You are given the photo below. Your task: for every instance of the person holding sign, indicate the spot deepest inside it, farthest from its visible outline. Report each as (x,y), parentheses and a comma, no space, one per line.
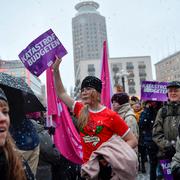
(165,129)
(96,123)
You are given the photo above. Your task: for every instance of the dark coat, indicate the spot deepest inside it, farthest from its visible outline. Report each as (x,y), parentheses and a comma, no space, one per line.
(165,129)
(49,156)
(24,135)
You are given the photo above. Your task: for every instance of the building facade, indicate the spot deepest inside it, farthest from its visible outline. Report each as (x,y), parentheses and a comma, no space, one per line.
(168,69)
(128,70)
(17,69)
(89,32)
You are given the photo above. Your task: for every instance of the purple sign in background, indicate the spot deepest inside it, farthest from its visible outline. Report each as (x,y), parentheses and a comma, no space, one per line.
(154,91)
(40,54)
(166,167)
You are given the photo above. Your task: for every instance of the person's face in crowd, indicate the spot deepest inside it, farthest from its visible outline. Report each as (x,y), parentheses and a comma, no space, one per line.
(136,107)
(88,95)
(4,122)
(174,94)
(115,106)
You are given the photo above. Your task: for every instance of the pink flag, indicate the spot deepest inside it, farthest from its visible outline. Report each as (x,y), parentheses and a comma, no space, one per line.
(66,137)
(105,78)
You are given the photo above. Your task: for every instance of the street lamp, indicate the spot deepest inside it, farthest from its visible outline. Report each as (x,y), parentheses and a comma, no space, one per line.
(123,83)
(122,74)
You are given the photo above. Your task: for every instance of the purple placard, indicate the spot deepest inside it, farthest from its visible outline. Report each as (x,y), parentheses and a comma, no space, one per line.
(40,54)
(166,167)
(154,91)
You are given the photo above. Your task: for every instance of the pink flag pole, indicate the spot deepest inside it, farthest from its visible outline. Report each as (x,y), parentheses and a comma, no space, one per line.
(66,137)
(105,78)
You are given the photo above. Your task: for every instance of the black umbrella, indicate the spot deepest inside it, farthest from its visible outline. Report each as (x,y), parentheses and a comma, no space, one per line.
(19,94)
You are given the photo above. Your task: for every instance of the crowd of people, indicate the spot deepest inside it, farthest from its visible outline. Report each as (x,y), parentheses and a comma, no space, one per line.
(116,143)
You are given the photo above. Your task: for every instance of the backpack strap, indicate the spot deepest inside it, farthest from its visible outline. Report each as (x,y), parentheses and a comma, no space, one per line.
(164,112)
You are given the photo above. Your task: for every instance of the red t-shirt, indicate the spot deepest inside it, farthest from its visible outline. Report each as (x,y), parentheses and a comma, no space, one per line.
(100,127)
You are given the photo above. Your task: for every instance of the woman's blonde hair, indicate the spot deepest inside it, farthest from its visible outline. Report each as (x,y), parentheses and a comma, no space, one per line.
(84,113)
(14,160)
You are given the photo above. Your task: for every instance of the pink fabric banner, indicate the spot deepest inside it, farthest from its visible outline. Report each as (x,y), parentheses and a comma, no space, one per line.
(105,78)
(66,137)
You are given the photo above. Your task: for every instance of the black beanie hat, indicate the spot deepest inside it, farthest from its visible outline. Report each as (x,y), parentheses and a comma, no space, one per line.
(120,98)
(2,95)
(93,82)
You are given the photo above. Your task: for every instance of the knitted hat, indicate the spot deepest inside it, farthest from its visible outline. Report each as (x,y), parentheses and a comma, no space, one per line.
(2,95)
(120,98)
(93,82)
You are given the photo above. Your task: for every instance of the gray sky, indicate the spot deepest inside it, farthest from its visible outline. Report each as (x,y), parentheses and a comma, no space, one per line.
(134,27)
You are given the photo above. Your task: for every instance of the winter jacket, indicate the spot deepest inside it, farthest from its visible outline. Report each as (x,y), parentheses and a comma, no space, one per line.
(127,113)
(121,157)
(165,129)
(48,156)
(176,159)
(24,135)
(146,123)
(138,114)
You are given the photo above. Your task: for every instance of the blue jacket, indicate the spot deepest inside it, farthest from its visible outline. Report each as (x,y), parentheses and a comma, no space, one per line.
(25,135)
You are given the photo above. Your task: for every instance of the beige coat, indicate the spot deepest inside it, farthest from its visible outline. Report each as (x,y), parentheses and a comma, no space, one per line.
(127,113)
(119,155)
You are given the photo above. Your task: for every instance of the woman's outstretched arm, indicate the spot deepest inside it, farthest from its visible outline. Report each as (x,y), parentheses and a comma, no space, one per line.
(60,90)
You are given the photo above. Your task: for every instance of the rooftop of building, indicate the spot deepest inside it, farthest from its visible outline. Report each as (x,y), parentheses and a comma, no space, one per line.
(15,63)
(130,57)
(87,7)
(168,57)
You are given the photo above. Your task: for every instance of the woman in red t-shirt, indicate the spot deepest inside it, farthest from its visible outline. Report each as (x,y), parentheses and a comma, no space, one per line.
(96,122)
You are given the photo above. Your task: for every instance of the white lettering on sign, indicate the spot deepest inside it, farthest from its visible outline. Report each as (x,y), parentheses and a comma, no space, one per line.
(155,88)
(40,49)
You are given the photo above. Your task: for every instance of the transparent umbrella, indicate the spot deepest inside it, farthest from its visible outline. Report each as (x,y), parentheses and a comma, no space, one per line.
(18,91)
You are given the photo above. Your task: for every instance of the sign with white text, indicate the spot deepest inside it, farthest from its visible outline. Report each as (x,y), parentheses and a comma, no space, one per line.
(40,54)
(154,91)
(166,168)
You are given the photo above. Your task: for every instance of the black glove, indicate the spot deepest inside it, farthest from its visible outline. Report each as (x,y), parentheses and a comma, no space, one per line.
(169,152)
(176,174)
(51,130)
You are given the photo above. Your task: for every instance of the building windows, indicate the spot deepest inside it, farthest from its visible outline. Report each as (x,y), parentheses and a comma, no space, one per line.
(142,70)
(130,74)
(142,66)
(142,79)
(131,82)
(132,90)
(129,66)
(142,74)
(91,70)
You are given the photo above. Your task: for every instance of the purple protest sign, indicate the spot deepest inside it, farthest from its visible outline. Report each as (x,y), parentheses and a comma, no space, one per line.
(154,91)
(40,54)
(166,167)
